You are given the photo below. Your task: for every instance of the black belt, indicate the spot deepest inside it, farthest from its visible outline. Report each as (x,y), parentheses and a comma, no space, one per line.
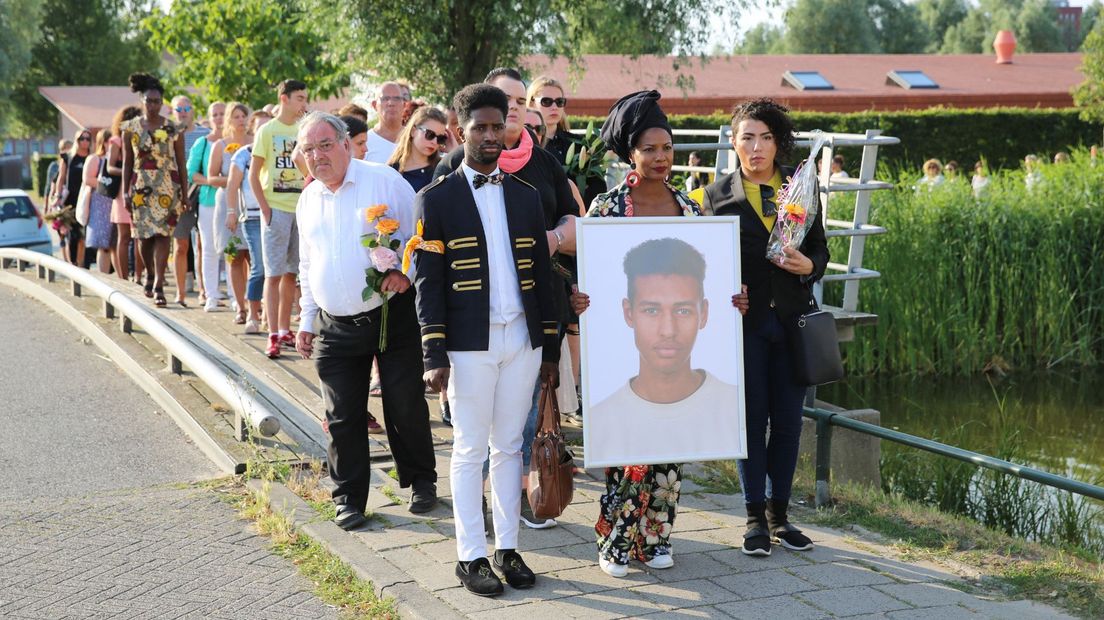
(360,320)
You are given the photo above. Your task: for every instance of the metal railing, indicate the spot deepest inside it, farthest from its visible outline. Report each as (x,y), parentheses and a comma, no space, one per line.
(180,352)
(825,420)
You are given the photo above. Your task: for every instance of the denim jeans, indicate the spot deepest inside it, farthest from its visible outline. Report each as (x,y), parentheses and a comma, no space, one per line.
(251,230)
(773,399)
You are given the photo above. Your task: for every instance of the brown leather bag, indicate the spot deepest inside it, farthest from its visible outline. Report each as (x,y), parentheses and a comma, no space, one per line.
(551,470)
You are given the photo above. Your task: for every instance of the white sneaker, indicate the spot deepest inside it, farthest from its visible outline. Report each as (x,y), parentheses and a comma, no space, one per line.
(661,561)
(211,305)
(611,568)
(251,327)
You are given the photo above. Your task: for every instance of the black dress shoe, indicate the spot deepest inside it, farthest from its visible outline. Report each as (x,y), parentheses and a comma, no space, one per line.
(446,414)
(349,518)
(513,568)
(478,578)
(423,498)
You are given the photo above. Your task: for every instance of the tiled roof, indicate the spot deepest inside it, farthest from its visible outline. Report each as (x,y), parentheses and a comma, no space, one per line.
(93,107)
(973,80)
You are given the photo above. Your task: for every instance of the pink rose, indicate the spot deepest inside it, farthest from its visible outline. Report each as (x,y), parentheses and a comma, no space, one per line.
(383,258)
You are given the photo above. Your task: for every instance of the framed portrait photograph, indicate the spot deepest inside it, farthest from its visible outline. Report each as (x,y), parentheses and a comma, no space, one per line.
(662,346)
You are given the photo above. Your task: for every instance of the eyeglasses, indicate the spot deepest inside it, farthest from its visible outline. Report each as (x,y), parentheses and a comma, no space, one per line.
(766,192)
(441,138)
(183,108)
(390,99)
(322,147)
(546,102)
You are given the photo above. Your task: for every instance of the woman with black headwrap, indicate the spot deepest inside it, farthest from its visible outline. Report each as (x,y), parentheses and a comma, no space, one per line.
(639,505)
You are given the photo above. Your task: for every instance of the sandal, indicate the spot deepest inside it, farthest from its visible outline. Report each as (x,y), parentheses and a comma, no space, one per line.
(159,299)
(240,318)
(148,288)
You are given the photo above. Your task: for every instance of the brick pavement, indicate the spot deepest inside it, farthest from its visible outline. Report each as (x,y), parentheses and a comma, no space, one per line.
(159,552)
(847,575)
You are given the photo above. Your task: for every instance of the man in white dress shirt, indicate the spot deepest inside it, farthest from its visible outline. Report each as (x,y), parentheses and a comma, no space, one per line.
(390,101)
(342,330)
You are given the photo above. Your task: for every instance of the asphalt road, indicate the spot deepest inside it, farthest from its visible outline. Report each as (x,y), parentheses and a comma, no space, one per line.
(101,515)
(71,422)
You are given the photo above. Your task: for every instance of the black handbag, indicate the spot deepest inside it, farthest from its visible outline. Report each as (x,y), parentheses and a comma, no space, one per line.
(814,347)
(107,184)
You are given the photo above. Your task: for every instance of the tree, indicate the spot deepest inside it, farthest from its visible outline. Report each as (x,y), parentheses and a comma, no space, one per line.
(1088,20)
(82,42)
(239,51)
(1034,23)
(898,27)
(19,23)
(938,16)
(1089,95)
(830,27)
(456,42)
(762,39)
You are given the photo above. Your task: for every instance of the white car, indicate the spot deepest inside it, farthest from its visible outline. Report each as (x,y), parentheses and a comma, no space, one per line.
(21,225)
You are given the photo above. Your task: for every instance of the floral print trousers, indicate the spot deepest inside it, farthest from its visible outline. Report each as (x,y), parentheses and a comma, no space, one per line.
(638,512)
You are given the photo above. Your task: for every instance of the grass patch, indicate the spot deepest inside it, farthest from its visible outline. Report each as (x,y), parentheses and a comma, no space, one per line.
(334,581)
(393,474)
(1066,577)
(391,494)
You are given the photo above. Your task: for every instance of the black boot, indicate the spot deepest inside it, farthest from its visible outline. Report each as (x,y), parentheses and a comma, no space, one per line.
(757,539)
(782,531)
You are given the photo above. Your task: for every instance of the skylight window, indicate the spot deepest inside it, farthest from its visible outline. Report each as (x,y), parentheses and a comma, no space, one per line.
(910,79)
(806,80)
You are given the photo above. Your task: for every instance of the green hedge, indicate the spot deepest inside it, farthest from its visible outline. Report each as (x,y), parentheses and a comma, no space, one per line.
(1002,136)
(39,163)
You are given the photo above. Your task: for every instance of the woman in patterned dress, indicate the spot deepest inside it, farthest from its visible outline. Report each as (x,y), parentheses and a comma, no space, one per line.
(639,505)
(153,159)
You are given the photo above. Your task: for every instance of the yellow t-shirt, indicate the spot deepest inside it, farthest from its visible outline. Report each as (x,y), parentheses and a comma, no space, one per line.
(281,180)
(751,190)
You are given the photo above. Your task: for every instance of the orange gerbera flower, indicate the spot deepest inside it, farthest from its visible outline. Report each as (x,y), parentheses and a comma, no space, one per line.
(375,211)
(386,226)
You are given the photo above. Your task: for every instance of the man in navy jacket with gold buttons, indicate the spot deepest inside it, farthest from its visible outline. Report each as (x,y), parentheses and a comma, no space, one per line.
(488,329)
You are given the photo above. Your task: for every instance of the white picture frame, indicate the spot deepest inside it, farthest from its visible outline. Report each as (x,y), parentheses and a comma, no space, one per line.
(620,426)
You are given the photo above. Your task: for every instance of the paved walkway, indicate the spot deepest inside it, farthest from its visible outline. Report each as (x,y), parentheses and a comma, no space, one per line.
(101,514)
(845,576)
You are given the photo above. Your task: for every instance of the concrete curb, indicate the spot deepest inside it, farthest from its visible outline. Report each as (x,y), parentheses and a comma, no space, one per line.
(138,373)
(412,600)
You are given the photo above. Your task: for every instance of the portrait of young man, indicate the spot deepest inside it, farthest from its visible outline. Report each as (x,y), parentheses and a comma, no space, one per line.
(671,410)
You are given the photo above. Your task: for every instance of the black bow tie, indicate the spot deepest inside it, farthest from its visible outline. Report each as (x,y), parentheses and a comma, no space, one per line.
(483,179)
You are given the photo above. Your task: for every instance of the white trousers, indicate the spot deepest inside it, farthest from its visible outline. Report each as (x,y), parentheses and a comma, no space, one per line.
(215,236)
(490,393)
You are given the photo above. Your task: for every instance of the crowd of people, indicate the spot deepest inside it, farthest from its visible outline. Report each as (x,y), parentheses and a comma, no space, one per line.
(279,199)
(935,173)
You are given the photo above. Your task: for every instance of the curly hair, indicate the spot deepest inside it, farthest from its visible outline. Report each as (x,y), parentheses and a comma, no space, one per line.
(475,96)
(771,113)
(144,82)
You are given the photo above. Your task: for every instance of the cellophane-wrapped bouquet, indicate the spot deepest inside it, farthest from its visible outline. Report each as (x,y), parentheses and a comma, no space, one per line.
(798,205)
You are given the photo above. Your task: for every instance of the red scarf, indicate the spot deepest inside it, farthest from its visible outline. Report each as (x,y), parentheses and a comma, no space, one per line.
(512,160)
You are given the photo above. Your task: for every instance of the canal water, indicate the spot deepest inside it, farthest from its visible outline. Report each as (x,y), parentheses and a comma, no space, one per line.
(1058,416)
(1052,421)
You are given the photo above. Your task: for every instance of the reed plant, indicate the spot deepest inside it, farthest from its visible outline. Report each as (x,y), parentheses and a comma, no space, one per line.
(1011,279)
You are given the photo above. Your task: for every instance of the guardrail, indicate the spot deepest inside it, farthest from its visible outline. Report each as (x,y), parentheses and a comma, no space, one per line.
(825,420)
(180,352)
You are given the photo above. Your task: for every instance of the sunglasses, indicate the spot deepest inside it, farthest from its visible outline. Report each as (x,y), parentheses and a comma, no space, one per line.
(441,138)
(183,108)
(84,139)
(546,102)
(534,128)
(766,192)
